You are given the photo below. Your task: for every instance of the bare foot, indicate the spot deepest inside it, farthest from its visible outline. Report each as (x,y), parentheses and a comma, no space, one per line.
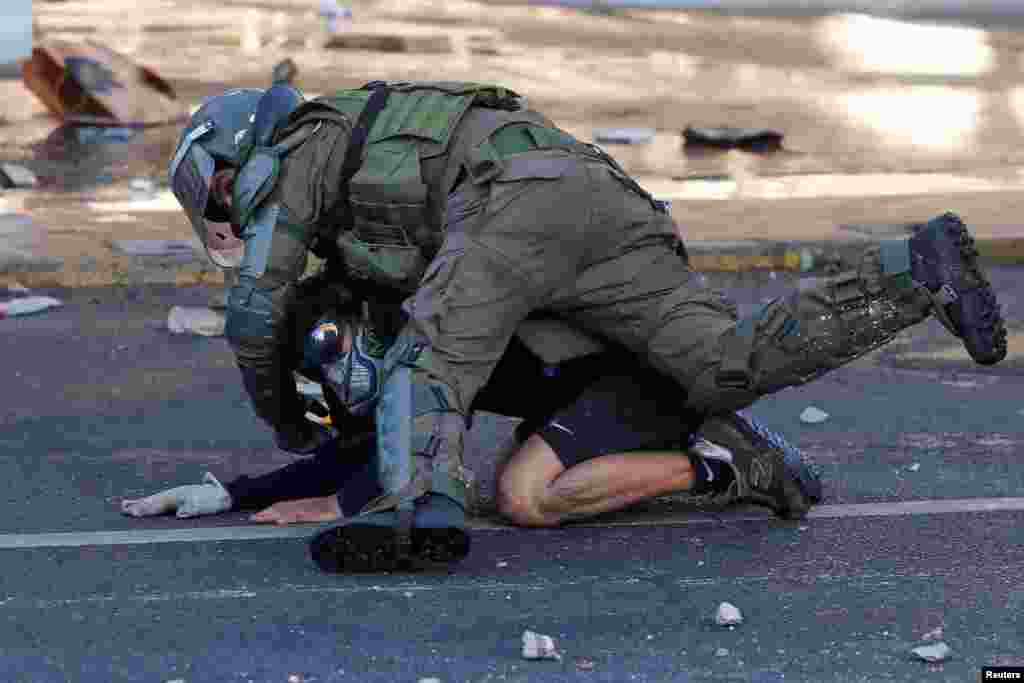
(324,509)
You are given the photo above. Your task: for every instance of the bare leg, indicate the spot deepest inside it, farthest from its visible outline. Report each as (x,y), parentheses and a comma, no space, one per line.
(535,489)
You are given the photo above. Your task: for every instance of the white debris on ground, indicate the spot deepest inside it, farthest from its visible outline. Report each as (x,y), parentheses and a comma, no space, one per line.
(195,320)
(539,646)
(585,664)
(728,614)
(336,17)
(812,415)
(17,176)
(142,189)
(934,634)
(914,467)
(721,652)
(624,136)
(431,679)
(936,652)
(27,305)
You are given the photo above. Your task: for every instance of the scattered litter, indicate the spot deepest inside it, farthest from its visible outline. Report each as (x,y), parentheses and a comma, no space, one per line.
(142,188)
(294,678)
(624,136)
(502,564)
(773,275)
(802,528)
(933,653)
(177,680)
(27,306)
(179,249)
(721,652)
(728,615)
(914,467)
(432,679)
(285,72)
(13,175)
(336,17)
(90,83)
(584,664)
(539,646)
(407,594)
(812,415)
(202,321)
(725,137)
(934,634)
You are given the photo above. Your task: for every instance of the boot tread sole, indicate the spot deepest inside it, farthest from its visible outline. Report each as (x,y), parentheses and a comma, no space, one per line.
(357,548)
(969,255)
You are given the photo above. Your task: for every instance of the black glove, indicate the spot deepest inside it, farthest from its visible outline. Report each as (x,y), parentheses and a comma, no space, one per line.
(302,437)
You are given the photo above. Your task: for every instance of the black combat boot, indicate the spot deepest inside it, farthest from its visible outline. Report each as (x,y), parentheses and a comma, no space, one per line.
(433,537)
(944,259)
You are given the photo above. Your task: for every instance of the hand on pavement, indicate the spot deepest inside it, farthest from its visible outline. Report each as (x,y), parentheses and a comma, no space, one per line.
(325,509)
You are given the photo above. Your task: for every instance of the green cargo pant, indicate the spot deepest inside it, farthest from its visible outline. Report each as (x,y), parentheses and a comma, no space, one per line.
(572,236)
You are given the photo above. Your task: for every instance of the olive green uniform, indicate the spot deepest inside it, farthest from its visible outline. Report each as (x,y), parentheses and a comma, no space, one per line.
(522,219)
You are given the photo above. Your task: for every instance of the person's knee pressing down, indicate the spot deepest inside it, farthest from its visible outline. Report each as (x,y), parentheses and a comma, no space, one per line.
(524,483)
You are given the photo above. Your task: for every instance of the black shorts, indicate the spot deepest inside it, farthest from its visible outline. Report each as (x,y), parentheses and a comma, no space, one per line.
(586,407)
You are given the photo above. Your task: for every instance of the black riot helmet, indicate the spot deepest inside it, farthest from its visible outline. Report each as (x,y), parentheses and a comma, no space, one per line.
(220,135)
(214,139)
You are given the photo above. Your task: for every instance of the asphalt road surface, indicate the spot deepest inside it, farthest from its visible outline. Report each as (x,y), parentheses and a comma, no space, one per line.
(920,530)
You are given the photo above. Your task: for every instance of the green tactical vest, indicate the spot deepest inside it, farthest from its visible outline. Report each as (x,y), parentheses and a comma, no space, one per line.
(390,229)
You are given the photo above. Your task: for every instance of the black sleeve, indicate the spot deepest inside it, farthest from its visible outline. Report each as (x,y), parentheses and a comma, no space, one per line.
(321,474)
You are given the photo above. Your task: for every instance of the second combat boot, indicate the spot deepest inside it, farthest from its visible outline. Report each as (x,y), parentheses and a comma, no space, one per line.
(944,259)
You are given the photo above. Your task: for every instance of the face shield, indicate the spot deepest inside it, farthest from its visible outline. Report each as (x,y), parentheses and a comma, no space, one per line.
(356,375)
(191,176)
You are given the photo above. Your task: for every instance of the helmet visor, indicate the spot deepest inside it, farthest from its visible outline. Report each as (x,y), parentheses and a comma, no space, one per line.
(191,177)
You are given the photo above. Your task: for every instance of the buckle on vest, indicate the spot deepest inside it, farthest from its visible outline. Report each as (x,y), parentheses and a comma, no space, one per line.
(483,163)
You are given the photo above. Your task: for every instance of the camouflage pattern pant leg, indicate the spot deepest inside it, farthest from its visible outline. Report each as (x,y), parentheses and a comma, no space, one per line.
(644,295)
(584,244)
(508,244)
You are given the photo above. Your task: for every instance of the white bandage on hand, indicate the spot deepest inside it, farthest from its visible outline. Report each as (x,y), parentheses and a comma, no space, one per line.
(195,500)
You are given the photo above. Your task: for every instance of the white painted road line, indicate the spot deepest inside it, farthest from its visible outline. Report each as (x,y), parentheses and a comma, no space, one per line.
(303,531)
(860,580)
